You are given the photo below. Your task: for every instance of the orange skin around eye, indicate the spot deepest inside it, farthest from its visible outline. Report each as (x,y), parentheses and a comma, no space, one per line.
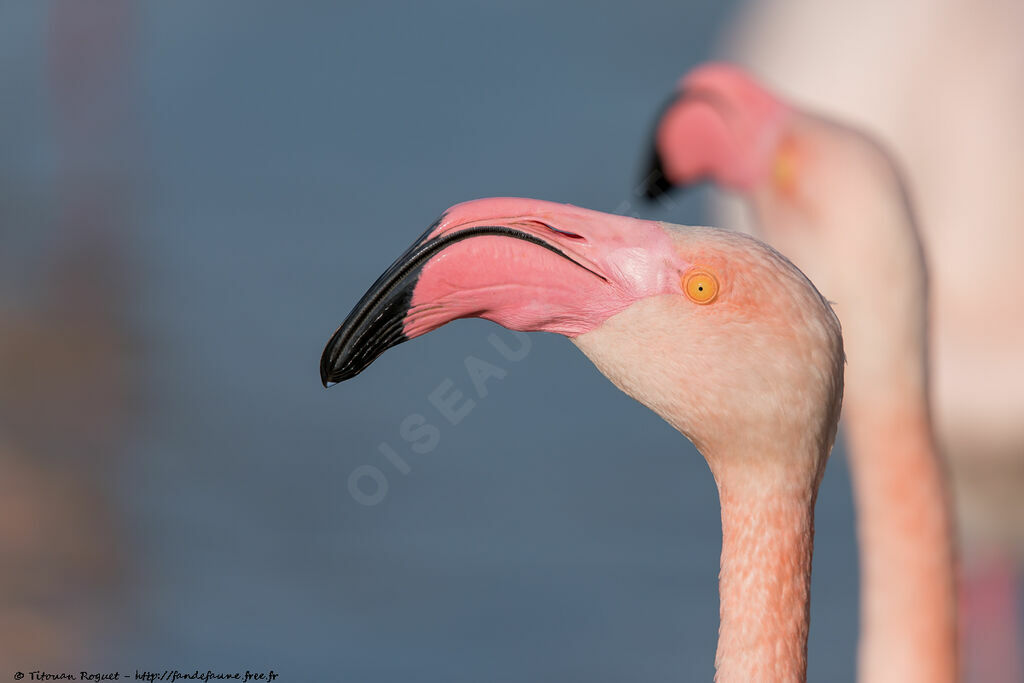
(700,286)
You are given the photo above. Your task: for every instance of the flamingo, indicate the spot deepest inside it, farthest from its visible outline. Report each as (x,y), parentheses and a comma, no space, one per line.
(832,199)
(716,332)
(940,82)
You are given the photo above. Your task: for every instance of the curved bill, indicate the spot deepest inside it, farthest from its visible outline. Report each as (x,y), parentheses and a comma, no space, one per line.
(654,182)
(379,320)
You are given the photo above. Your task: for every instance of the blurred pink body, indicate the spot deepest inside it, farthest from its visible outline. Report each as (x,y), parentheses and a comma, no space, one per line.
(67,355)
(831,200)
(942,84)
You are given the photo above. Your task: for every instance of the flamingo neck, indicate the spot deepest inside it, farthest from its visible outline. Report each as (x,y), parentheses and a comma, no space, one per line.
(908,607)
(907,553)
(765,581)
(904,519)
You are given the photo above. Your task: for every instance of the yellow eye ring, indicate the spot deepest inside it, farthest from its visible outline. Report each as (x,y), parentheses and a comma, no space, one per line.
(700,285)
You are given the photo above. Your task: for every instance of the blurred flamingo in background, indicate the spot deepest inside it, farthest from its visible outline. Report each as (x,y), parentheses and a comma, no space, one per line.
(832,200)
(942,84)
(714,331)
(67,352)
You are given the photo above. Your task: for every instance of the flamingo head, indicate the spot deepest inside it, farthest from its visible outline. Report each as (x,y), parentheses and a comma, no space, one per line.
(713,330)
(721,126)
(825,194)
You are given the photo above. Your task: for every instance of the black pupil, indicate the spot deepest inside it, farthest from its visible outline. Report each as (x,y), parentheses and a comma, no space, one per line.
(700,288)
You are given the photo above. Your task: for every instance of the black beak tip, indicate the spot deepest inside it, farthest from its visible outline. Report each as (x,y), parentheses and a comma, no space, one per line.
(333,369)
(655,184)
(325,371)
(359,342)
(329,378)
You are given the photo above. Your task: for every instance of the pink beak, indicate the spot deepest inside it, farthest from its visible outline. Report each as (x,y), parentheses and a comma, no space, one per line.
(527,265)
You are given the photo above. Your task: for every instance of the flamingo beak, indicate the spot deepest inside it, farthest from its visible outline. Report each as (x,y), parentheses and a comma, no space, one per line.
(655,183)
(691,143)
(374,325)
(505,273)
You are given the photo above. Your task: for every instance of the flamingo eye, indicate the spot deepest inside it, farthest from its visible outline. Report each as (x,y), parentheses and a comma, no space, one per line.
(700,285)
(785,167)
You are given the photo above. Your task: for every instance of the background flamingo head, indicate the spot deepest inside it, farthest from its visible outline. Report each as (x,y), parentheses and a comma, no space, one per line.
(825,194)
(721,126)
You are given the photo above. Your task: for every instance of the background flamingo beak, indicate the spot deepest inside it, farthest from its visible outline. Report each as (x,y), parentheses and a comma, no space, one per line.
(654,183)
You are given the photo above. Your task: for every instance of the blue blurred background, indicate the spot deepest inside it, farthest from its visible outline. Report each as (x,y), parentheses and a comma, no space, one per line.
(192,196)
